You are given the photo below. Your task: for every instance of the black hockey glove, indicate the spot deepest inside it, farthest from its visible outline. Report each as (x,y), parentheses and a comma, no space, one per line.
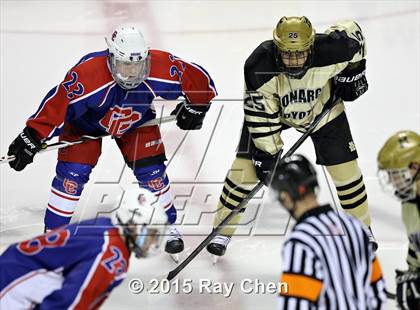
(351,83)
(264,165)
(408,286)
(24,148)
(190,116)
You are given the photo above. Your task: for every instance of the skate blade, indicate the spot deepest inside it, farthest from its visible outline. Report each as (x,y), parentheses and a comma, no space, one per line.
(215,258)
(175,257)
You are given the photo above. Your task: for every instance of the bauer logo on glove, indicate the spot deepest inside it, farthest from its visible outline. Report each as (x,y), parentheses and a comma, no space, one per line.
(408,289)
(24,148)
(190,116)
(349,79)
(28,143)
(351,83)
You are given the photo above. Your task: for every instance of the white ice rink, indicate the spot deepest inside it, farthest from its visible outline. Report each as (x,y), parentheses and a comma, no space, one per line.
(41,40)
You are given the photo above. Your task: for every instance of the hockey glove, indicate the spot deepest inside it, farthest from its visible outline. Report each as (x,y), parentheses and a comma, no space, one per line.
(408,289)
(264,165)
(351,83)
(190,116)
(24,148)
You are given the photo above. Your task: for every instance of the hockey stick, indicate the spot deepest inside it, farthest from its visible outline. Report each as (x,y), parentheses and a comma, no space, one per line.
(172,274)
(63,144)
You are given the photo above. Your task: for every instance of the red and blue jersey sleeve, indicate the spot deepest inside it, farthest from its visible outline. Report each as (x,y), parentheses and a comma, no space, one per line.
(87,77)
(88,260)
(91,281)
(172,77)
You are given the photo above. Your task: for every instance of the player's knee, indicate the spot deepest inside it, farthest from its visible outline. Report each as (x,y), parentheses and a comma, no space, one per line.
(242,173)
(150,171)
(152,177)
(344,173)
(238,184)
(71,177)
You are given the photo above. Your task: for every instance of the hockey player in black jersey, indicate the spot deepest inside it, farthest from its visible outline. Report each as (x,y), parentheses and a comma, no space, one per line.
(289,80)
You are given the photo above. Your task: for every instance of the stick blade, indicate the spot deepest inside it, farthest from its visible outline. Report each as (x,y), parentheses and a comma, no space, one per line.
(175,257)
(172,274)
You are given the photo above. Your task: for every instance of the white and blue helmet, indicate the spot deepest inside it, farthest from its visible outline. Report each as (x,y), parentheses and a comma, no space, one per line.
(141,219)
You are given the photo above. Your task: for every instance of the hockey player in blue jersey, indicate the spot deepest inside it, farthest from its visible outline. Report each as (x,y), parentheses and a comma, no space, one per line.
(111,92)
(77,266)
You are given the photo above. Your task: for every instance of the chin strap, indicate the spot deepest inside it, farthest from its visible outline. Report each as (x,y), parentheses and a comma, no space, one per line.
(130,242)
(292,211)
(417,175)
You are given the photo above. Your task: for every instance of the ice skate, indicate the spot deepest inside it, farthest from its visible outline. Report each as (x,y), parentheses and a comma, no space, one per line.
(217,247)
(174,244)
(372,239)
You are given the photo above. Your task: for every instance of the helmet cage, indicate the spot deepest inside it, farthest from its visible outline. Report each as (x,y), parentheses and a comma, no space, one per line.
(129,72)
(399,182)
(143,240)
(298,69)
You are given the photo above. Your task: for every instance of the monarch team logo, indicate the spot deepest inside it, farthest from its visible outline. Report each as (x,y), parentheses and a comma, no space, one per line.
(118,120)
(403,141)
(352,146)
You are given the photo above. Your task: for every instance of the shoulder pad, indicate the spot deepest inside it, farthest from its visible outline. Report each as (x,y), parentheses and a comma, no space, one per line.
(92,55)
(87,76)
(261,66)
(336,47)
(161,64)
(354,36)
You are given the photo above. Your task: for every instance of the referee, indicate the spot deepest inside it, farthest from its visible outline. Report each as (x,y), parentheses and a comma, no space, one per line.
(328,262)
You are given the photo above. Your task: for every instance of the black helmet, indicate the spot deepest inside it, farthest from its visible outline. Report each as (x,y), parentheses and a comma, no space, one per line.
(294,175)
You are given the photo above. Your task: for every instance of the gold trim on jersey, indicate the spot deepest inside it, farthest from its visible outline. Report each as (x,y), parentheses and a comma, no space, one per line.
(291,102)
(295,102)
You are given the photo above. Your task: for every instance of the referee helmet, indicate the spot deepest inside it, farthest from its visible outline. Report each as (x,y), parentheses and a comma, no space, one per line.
(294,175)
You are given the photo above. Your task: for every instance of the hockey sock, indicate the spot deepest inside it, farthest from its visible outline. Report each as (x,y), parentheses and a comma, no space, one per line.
(240,180)
(351,190)
(155,179)
(171,213)
(67,186)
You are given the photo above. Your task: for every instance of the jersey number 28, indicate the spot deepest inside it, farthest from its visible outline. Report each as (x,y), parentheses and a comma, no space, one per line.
(53,239)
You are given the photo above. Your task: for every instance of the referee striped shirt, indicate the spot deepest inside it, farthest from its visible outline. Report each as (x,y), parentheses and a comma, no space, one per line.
(328,263)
